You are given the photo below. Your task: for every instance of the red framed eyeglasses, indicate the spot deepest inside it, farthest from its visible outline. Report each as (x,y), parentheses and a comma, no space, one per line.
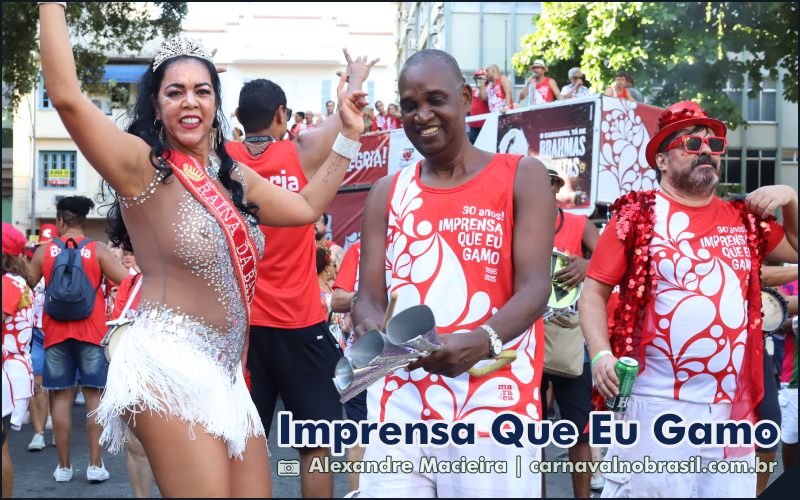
(693,144)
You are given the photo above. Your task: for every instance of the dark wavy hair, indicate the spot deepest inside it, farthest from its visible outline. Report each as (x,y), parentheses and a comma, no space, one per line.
(145,125)
(17,264)
(323,258)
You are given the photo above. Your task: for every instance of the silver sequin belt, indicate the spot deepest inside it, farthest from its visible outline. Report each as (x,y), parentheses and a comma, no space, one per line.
(224,349)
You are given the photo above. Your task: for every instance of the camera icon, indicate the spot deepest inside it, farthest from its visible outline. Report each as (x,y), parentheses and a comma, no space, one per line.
(288,468)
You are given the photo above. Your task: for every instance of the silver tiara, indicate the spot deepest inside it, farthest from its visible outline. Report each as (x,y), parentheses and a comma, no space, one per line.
(180,45)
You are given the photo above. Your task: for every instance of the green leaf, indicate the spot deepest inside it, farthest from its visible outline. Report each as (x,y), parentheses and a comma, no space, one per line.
(101,27)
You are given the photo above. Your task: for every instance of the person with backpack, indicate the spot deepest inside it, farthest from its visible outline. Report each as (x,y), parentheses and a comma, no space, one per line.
(74,318)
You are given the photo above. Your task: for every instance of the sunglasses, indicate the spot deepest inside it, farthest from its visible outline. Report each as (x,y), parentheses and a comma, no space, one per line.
(693,144)
(288,113)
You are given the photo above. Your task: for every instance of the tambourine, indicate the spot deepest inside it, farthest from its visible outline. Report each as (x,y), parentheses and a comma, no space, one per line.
(112,337)
(774,309)
(562,300)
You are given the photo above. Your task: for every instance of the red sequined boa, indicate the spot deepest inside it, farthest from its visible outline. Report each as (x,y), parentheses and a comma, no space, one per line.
(632,326)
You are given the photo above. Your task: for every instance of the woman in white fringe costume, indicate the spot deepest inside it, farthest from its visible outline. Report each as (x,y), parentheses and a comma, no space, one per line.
(191,213)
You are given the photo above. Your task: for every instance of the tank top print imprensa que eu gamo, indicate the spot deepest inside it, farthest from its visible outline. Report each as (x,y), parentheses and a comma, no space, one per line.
(451,249)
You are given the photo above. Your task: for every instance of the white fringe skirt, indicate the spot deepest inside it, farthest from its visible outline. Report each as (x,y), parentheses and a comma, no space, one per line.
(176,368)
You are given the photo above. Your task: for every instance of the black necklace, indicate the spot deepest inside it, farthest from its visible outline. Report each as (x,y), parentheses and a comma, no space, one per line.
(259,138)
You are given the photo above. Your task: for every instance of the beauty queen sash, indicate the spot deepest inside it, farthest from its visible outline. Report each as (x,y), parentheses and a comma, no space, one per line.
(244,253)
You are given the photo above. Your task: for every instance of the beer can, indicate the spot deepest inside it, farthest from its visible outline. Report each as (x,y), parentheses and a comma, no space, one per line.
(626,369)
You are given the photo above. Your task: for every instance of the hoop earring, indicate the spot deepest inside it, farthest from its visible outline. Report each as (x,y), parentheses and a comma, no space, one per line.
(159,127)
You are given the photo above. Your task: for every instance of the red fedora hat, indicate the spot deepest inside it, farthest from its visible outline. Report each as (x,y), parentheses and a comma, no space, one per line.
(681,115)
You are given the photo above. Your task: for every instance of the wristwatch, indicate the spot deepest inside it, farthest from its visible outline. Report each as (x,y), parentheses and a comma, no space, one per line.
(495,344)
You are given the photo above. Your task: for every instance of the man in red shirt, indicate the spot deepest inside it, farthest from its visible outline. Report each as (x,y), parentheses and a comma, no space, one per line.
(292,354)
(539,89)
(619,88)
(497,92)
(687,264)
(574,235)
(75,345)
(479,105)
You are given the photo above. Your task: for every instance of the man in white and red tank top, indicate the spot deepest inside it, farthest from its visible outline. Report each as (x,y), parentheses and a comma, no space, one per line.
(539,88)
(497,91)
(468,233)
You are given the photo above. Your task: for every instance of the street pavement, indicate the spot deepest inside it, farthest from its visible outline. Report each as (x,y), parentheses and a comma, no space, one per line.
(33,471)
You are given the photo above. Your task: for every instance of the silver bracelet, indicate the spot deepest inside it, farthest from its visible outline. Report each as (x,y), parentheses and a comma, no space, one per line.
(346,147)
(63,4)
(495,344)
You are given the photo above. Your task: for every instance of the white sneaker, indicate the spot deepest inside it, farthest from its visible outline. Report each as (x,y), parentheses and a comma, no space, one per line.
(37,443)
(62,475)
(598,482)
(48,424)
(97,474)
(79,399)
(53,441)
(353,494)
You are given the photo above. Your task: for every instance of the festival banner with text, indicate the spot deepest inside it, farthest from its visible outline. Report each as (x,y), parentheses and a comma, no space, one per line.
(563,138)
(372,162)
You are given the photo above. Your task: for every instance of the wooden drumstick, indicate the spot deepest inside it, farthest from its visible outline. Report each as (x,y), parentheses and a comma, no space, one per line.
(389,309)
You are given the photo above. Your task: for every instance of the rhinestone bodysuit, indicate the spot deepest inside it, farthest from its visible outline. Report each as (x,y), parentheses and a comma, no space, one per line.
(202,249)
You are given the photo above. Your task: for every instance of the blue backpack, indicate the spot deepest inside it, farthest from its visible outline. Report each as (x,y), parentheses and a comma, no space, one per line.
(69,295)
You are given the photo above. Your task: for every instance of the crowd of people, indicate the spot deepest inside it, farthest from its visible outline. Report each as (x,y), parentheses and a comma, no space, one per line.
(493,91)
(378,119)
(237,296)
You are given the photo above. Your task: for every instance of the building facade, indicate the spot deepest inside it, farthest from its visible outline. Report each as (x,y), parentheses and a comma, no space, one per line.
(764,151)
(478,34)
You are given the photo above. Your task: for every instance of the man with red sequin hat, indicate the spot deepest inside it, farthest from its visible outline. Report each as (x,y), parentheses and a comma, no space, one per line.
(687,265)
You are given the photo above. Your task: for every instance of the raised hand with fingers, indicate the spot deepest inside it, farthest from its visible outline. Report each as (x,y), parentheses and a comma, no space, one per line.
(350,110)
(356,72)
(765,200)
(358,68)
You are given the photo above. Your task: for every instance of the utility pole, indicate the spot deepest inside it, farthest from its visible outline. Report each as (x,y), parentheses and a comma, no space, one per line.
(505,48)
(32,112)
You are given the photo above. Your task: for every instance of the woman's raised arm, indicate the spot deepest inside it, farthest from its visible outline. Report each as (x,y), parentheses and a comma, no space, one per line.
(281,207)
(119,157)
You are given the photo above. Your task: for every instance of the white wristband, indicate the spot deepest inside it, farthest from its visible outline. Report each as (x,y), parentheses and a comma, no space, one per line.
(346,147)
(63,4)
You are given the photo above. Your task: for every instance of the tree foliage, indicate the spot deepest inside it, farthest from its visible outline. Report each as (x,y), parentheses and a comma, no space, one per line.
(96,29)
(674,51)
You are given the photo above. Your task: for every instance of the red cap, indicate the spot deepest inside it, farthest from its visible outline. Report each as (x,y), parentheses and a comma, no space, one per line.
(676,117)
(46,233)
(479,72)
(13,241)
